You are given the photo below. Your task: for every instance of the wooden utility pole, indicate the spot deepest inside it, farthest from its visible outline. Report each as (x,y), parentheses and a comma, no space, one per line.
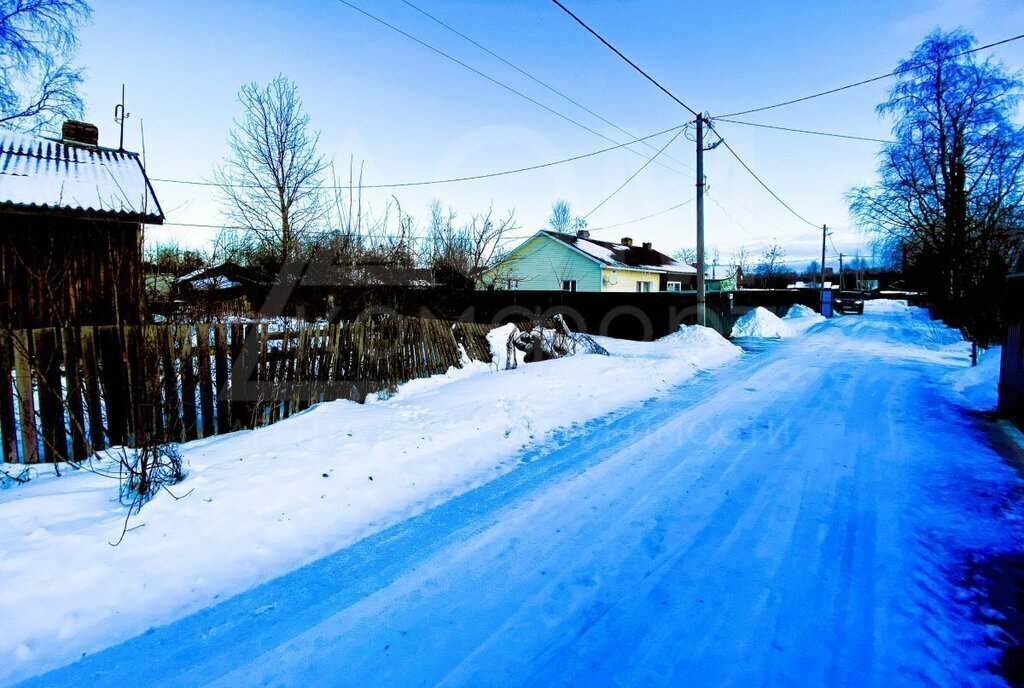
(842,282)
(701,294)
(824,236)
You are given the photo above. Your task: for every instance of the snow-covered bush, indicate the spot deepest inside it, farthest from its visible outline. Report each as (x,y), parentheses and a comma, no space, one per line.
(511,346)
(147,470)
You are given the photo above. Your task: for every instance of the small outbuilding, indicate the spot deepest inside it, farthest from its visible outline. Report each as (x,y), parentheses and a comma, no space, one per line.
(71,219)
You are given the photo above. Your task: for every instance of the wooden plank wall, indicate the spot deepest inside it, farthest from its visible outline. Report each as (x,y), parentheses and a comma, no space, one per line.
(66,393)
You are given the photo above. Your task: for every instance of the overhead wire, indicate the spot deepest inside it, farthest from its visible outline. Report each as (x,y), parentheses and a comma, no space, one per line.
(431,182)
(803,131)
(490,78)
(630,62)
(862,82)
(634,175)
(762,183)
(533,77)
(645,217)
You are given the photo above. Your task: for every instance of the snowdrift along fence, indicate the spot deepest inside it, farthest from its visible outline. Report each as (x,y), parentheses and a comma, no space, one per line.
(68,392)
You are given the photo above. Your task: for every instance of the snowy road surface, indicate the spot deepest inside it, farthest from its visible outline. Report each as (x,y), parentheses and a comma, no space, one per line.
(806,516)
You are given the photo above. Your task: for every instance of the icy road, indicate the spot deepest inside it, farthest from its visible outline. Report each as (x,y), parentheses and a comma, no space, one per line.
(820,513)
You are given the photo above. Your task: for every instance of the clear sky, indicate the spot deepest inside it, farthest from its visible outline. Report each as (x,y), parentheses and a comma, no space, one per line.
(408,114)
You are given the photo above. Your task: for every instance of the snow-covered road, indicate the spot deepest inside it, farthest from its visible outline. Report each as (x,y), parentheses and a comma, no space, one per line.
(803,517)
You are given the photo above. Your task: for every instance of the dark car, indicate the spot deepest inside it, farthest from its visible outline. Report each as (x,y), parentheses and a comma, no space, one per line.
(849,302)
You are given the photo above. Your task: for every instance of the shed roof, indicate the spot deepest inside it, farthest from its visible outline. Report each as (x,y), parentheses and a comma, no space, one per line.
(623,256)
(41,174)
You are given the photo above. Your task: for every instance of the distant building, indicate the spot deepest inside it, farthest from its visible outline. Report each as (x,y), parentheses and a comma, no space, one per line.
(720,278)
(71,219)
(574,262)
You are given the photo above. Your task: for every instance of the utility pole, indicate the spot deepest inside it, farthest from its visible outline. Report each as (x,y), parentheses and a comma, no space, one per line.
(701,295)
(824,236)
(842,281)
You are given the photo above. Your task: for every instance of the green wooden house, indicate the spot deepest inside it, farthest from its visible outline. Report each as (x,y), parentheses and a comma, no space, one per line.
(553,261)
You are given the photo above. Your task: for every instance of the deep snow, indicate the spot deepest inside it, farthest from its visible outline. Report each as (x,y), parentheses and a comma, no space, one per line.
(265,502)
(823,512)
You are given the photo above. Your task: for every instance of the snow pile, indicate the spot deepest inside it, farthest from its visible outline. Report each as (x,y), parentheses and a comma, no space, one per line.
(798,310)
(978,386)
(760,323)
(800,318)
(262,503)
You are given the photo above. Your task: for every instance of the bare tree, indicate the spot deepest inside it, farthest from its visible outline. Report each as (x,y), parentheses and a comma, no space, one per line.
(686,255)
(950,192)
(772,263)
(38,85)
(272,181)
(466,248)
(562,220)
(741,262)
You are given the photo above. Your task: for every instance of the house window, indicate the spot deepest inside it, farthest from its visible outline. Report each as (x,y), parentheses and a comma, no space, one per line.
(568,285)
(674,286)
(512,284)
(643,286)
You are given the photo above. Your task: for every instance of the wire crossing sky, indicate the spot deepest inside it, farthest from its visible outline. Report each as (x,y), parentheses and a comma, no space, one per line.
(521,85)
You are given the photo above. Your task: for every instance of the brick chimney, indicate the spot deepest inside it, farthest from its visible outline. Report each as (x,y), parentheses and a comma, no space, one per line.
(647,245)
(582,234)
(626,241)
(80,132)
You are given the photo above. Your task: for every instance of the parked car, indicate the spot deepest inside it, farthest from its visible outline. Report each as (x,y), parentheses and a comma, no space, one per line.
(849,302)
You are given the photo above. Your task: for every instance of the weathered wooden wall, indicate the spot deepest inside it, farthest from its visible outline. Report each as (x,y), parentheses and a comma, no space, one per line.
(60,271)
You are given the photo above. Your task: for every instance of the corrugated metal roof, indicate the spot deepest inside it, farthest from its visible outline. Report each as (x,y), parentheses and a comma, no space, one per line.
(42,173)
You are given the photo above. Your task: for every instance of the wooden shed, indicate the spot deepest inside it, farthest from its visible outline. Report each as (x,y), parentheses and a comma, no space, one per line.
(71,220)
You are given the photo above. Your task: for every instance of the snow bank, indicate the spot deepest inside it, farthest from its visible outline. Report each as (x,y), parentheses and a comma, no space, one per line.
(798,310)
(264,502)
(978,386)
(800,318)
(760,323)
(886,307)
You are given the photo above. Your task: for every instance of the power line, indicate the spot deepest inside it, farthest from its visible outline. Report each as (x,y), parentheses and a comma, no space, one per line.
(634,175)
(431,182)
(759,181)
(803,131)
(532,77)
(873,79)
(370,237)
(641,219)
(483,75)
(628,61)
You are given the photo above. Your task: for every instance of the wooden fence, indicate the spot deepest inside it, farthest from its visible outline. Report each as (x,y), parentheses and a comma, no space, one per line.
(66,393)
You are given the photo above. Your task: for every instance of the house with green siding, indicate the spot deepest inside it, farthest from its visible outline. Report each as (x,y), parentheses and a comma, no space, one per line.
(553,261)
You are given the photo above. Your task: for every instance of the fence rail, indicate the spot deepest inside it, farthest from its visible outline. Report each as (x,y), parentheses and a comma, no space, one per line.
(66,393)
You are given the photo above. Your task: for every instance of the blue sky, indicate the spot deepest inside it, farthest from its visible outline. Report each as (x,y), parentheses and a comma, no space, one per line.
(408,114)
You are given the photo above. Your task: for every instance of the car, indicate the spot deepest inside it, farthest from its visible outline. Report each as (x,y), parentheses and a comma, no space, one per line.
(849,302)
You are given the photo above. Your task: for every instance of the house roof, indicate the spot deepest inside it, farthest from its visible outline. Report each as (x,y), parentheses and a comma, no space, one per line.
(622,256)
(221,275)
(42,174)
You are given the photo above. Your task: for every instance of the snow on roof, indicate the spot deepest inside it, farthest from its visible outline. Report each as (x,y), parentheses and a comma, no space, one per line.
(37,172)
(622,256)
